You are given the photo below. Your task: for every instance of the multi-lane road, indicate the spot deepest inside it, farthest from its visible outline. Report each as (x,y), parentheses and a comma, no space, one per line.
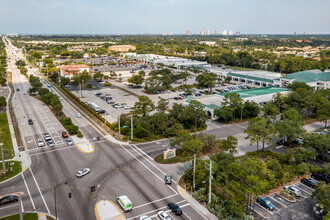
(116,169)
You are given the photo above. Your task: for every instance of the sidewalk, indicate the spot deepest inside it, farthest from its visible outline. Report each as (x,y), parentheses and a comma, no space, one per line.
(194,203)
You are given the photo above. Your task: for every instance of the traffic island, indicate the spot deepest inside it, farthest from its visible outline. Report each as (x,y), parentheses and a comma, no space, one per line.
(83,144)
(107,210)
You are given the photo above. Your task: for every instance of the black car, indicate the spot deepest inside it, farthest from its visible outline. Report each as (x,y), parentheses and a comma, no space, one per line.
(8,199)
(321,177)
(30,122)
(309,182)
(175,208)
(17,89)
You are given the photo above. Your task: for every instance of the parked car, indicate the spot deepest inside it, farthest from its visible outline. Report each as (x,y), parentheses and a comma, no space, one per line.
(40,142)
(64,134)
(163,215)
(321,177)
(265,203)
(30,122)
(309,182)
(293,190)
(175,208)
(17,89)
(68,141)
(51,143)
(8,199)
(83,172)
(98,93)
(47,136)
(24,93)
(127,107)
(78,115)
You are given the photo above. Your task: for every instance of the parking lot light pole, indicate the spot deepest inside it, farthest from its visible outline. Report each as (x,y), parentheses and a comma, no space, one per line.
(131,127)
(3,160)
(194,171)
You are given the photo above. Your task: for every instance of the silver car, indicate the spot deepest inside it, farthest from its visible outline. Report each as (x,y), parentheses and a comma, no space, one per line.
(83,172)
(293,190)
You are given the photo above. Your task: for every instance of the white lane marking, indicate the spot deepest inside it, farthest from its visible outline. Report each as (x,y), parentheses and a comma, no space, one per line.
(164,207)
(8,188)
(147,167)
(6,207)
(50,151)
(186,215)
(28,192)
(135,207)
(149,160)
(22,205)
(39,190)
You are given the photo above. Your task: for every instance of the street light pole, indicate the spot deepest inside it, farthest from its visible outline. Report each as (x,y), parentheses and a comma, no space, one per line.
(20,207)
(119,123)
(131,127)
(55,202)
(3,160)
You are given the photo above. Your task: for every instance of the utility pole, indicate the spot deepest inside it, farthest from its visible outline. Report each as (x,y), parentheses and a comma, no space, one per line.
(55,202)
(210,182)
(194,171)
(131,127)
(20,207)
(80,90)
(3,160)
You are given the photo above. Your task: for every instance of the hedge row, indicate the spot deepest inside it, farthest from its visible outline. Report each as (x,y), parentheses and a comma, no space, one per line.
(86,106)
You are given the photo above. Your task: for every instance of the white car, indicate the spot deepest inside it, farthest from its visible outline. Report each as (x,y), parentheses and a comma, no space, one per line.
(144,217)
(293,190)
(127,107)
(47,136)
(40,142)
(68,141)
(78,115)
(51,143)
(163,215)
(83,172)
(24,93)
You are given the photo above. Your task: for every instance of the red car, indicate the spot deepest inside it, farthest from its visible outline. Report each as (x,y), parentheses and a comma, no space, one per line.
(64,134)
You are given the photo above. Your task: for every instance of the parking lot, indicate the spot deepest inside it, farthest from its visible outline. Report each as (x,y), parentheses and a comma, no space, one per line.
(284,209)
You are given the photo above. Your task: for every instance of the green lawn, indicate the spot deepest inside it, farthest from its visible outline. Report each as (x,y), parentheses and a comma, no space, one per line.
(29,216)
(5,136)
(239,68)
(16,168)
(176,159)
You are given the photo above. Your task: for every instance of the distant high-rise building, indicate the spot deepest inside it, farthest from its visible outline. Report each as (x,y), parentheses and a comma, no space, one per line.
(202,32)
(294,33)
(230,32)
(216,32)
(169,33)
(304,33)
(188,32)
(224,32)
(164,34)
(238,33)
(205,32)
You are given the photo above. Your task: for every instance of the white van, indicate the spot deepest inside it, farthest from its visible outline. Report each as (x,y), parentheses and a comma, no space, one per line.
(125,203)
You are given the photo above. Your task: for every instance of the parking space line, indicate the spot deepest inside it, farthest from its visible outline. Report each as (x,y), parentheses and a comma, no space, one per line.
(264,208)
(300,188)
(258,212)
(277,201)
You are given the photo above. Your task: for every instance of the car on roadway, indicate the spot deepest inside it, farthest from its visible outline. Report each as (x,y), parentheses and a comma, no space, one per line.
(293,190)
(47,136)
(8,199)
(24,93)
(17,89)
(65,134)
(321,177)
(144,217)
(40,142)
(163,215)
(174,208)
(51,143)
(69,142)
(168,179)
(265,203)
(30,121)
(309,182)
(49,86)
(78,115)
(83,172)
(127,107)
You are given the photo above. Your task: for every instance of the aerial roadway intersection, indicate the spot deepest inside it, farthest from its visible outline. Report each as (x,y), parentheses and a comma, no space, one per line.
(50,181)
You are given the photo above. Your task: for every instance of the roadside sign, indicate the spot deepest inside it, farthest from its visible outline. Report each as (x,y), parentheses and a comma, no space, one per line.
(125,126)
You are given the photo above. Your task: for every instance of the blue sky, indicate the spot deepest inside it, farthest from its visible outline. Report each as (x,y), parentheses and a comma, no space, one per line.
(158,16)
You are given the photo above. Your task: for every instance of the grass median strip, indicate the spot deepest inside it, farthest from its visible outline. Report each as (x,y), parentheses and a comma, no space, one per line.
(13,168)
(5,136)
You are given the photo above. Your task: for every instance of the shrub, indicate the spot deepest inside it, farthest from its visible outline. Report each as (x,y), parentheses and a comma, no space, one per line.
(302,168)
(79,135)
(200,194)
(107,84)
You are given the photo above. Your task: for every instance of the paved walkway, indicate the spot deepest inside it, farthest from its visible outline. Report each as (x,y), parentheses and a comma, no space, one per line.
(107,210)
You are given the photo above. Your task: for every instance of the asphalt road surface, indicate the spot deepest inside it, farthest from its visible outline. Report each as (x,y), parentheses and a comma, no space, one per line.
(115,169)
